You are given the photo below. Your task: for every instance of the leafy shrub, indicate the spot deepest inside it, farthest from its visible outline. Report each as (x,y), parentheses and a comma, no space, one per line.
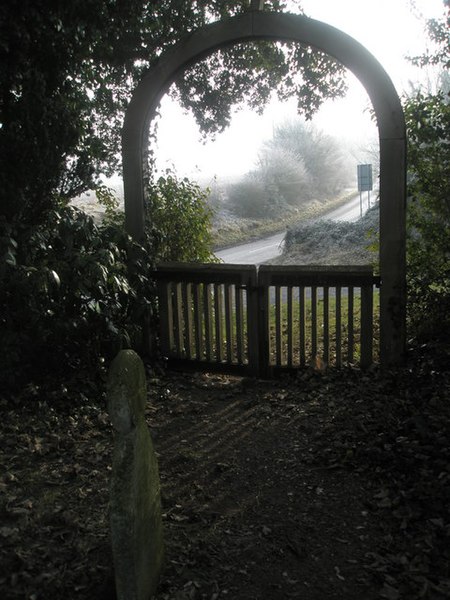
(428,249)
(178,221)
(73,293)
(68,296)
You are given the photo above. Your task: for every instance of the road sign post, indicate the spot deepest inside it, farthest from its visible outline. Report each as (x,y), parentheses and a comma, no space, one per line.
(364,184)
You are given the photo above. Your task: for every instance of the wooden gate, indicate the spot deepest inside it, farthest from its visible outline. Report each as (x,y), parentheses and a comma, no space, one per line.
(240,319)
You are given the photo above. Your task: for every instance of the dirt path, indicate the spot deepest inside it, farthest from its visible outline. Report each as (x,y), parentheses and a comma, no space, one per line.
(254,509)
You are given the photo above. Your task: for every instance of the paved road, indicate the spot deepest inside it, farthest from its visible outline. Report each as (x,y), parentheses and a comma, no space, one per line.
(350,211)
(255,253)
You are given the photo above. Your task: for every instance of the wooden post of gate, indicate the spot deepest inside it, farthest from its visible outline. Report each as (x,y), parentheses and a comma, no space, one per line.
(253,333)
(366,325)
(165,317)
(263,324)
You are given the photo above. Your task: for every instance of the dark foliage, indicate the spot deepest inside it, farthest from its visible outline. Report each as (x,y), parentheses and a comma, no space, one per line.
(428,122)
(69,296)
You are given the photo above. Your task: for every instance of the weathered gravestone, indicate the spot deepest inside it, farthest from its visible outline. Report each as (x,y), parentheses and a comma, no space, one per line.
(135,507)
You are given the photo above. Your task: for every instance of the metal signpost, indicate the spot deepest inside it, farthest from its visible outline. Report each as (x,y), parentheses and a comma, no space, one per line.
(364,184)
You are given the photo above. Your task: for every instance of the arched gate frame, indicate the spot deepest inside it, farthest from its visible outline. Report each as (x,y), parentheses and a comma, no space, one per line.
(259,25)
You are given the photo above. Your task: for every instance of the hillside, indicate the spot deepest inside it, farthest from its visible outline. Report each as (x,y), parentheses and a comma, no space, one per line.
(332,242)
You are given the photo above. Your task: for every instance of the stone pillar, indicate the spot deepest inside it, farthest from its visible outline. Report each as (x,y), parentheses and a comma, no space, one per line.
(135,506)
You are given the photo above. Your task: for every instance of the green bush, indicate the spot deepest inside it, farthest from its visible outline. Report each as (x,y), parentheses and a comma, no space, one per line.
(69,298)
(428,248)
(178,221)
(72,293)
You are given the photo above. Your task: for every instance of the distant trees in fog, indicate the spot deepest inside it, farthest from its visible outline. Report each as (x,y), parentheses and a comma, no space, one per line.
(300,163)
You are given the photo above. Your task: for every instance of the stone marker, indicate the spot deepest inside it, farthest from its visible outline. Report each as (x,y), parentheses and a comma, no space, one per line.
(135,506)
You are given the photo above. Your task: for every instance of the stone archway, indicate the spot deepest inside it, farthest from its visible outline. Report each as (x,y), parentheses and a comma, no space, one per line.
(259,25)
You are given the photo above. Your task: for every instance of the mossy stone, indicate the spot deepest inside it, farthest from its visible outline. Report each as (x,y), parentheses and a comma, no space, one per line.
(135,506)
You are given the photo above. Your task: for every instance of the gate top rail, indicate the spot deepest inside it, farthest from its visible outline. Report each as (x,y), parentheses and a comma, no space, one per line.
(318,275)
(275,275)
(205,273)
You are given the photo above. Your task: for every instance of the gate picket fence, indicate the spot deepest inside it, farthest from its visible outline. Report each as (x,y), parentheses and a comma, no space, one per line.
(240,319)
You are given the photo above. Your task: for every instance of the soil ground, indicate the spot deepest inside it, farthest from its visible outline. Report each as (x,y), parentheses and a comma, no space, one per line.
(252,511)
(270,490)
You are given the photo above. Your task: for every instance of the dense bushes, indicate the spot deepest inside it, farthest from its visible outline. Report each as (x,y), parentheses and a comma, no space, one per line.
(179,221)
(66,297)
(427,116)
(72,293)
(428,122)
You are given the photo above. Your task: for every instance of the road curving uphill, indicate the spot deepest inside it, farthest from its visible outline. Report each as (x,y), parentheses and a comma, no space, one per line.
(260,251)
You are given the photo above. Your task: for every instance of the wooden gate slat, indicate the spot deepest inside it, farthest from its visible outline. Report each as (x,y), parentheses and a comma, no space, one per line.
(256,332)
(278,331)
(198,321)
(239,324)
(313,322)
(350,323)
(218,318)
(338,327)
(178,320)
(326,325)
(302,328)
(228,292)
(187,318)
(290,326)
(207,308)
